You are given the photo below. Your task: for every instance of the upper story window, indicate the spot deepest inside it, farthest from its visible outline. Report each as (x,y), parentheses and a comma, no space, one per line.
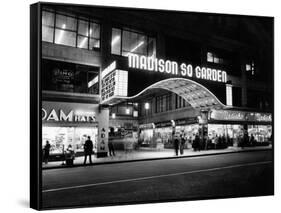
(180,102)
(124,42)
(70,31)
(163,103)
(250,68)
(68,77)
(214,58)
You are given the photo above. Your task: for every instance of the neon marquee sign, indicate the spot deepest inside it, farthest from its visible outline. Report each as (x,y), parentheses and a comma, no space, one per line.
(172,67)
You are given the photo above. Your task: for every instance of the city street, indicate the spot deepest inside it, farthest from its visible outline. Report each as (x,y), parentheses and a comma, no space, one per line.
(225,175)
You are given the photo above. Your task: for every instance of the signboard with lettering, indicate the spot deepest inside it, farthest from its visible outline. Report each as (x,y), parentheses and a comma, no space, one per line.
(230,115)
(153,64)
(71,116)
(58,112)
(114,83)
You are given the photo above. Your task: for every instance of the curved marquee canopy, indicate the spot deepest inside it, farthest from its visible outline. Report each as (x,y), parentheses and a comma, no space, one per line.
(198,96)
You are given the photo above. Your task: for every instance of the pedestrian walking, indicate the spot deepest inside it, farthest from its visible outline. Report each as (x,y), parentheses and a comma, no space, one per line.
(46,149)
(219,145)
(246,139)
(216,141)
(196,143)
(88,149)
(111,148)
(241,141)
(252,140)
(182,143)
(176,145)
(200,143)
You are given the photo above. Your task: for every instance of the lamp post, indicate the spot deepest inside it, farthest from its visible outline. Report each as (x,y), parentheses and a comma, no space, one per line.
(146,107)
(127,110)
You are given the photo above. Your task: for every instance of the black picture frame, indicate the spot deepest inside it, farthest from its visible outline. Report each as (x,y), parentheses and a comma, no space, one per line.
(43,90)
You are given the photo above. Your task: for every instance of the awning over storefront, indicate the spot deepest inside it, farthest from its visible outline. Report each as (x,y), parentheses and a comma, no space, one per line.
(195,94)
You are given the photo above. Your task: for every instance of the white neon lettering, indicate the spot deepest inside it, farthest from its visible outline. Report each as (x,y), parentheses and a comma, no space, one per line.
(203,73)
(197,72)
(63,117)
(133,61)
(189,70)
(168,67)
(214,75)
(44,114)
(53,116)
(224,76)
(209,74)
(150,64)
(172,67)
(219,75)
(183,69)
(143,62)
(161,63)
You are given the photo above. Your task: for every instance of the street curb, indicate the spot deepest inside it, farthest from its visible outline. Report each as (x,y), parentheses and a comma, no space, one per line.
(153,159)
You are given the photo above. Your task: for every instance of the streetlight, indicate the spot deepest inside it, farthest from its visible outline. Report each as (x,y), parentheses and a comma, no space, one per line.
(146,106)
(127,111)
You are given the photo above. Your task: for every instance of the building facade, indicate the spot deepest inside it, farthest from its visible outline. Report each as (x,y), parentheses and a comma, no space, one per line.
(141,77)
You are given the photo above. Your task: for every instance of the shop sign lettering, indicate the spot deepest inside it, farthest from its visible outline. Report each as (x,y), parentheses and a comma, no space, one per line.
(172,67)
(240,116)
(71,116)
(262,117)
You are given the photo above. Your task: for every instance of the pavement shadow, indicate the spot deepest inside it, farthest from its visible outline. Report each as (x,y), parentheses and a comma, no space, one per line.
(23,203)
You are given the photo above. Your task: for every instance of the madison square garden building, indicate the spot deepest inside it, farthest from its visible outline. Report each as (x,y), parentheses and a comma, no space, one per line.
(139,78)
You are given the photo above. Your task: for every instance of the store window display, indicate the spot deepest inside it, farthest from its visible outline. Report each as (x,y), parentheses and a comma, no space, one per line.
(261,133)
(231,131)
(61,137)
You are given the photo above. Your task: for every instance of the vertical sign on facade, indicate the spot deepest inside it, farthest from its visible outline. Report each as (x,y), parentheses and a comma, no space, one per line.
(102,145)
(114,84)
(228,94)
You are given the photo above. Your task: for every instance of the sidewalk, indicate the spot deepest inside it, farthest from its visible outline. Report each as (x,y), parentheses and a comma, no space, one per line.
(150,154)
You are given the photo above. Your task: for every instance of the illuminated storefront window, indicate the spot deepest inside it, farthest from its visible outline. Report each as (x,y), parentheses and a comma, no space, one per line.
(60,137)
(146,136)
(71,31)
(261,133)
(188,131)
(124,42)
(231,130)
(164,135)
